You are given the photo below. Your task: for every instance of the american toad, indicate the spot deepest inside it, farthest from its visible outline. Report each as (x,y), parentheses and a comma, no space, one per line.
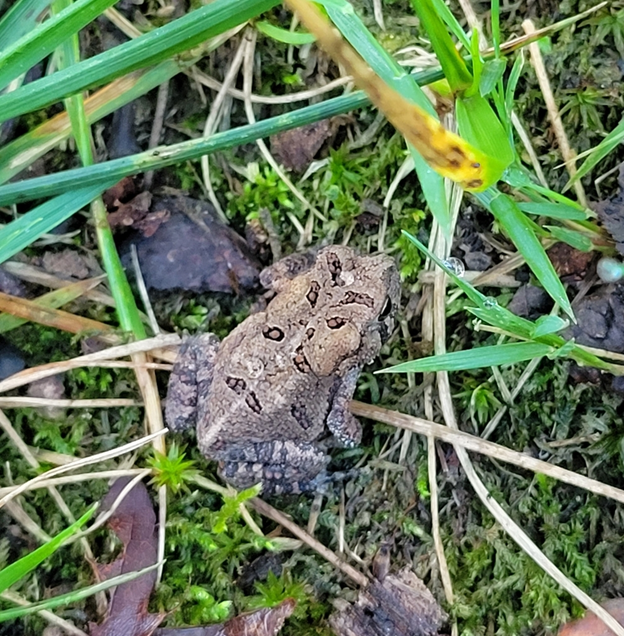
(261,399)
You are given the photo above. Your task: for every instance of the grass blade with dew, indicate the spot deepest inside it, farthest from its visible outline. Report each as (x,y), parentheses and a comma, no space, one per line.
(490,312)
(520,231)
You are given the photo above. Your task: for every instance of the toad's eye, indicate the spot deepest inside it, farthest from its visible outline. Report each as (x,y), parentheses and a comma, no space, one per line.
(387,308)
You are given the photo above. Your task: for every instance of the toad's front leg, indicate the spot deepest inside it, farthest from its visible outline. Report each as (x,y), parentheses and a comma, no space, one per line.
(190,380)
(340,421)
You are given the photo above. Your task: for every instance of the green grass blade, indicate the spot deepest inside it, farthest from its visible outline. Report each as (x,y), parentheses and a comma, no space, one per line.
(597,154)
(521,232)
(451,22)
(125,303)
(75,596)
(16,571)
(512,82)
(453,65)
(353,29)
(480,126)
(282,35)
(493,71)
(20,19)
(474,358)
(154,159)
(553,210)
(180,35)
(487,308)
(18,234)
(23,151)
(490,312)
(44,38)
(571,237)
(103,173)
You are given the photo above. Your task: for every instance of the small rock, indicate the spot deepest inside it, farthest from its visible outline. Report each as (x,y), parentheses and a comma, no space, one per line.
(51,388)
(11,359)
(12,285)
(600,320)
(530,301)
(65,264)
(478,261)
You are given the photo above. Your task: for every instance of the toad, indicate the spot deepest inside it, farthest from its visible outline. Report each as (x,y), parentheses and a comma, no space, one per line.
(261,399)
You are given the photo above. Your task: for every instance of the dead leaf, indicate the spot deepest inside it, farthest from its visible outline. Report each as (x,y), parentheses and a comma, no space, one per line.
(296,148)
(121,191)
(590,625)
(130,213)
(134,522)
(400,605)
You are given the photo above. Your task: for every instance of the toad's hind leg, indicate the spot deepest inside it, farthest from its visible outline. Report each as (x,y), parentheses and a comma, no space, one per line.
(190,379)
(283,466)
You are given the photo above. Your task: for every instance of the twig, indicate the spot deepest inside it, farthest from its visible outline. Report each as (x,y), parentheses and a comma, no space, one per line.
(528,146)
(157,127)
(33,274)
(53,368)
(142,288)
(300,96)
(80,463)
(52,618)
(553,112)
(212,122)
(472,443)
(97,403)
(14,508)
(305,234)
(26,453)
(268,511)
(74,479)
